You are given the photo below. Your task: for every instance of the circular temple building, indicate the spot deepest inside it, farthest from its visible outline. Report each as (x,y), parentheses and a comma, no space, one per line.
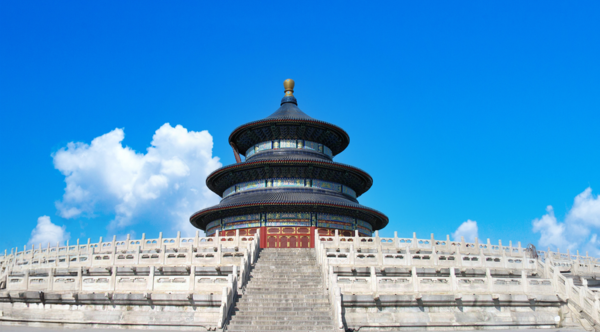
(289,187)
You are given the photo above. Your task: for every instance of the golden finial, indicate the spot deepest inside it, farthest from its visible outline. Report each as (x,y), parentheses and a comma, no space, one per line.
(289,87)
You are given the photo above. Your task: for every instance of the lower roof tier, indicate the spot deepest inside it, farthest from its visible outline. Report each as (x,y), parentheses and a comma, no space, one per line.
(277,200)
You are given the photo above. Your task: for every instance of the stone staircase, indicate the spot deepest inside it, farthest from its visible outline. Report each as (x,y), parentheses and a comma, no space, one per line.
(285,293)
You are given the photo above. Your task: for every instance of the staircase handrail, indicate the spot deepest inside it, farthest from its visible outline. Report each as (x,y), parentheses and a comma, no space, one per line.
(330,281)
(586,300)
(228,298)
(250,257)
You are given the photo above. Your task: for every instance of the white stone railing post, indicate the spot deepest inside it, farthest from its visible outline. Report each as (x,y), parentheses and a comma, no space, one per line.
(379,253)
(459,258)
(26,279)
(453,280)
(80,279)
(113,278)
(219,253)
(192,278)
(415,280)
(150,284)
(338,306)
(373,282)
(50,279)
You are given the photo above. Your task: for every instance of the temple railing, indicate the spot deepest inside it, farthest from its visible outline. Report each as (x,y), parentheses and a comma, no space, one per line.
(183,277)
(361,251)
(217,250)
(416,244)
(390,266)
(220,267)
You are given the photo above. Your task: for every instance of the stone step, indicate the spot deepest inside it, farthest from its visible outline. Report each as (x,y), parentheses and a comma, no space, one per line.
(288,290)
(281,303)
(282,265)
(276,256)
(265,291)
(303,259)
(281,272)
(269,319)
(288,278)
(268,260)
(280,326)
(285,293)
(306,259)
(281,268)
(285,283)
(279,329)
(286,311)
(291,326)
(252,301)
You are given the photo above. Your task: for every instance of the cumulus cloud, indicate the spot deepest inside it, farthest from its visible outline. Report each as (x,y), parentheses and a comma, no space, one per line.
(46,232)
(468,230)
(578,230)
(167,183)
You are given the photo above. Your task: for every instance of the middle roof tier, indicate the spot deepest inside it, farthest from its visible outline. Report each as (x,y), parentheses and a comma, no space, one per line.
(289,166)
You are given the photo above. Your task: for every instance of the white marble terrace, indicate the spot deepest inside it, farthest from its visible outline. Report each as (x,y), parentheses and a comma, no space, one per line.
(396,266)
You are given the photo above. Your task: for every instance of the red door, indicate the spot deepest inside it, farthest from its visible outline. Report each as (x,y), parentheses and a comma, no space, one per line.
(287,237)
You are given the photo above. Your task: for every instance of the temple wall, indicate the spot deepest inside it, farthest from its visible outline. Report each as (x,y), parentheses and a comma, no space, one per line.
(444,312)
(163,317)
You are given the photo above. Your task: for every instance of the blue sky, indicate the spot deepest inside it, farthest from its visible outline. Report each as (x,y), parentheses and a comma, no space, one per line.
(482,111)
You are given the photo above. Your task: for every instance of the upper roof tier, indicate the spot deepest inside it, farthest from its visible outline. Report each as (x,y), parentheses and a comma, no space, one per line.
(289,122)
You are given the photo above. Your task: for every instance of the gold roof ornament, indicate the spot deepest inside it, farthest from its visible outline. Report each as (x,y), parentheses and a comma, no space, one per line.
(289,87)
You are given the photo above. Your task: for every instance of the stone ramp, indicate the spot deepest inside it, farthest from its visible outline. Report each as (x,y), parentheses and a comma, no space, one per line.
(285,293)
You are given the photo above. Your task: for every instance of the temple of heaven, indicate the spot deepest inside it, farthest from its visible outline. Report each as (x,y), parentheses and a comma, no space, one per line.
(288,187)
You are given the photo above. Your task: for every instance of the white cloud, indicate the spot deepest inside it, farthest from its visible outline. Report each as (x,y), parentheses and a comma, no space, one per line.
(579,229)
(167,183)
(46,232)
(468,230)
